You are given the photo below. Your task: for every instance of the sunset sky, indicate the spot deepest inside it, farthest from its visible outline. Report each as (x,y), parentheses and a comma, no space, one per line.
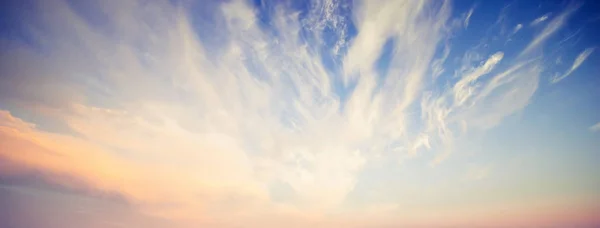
(295,114)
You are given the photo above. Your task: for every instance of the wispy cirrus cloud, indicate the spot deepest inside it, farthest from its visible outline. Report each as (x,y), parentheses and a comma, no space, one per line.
(468,17)
(275,115)
(152,98)
(578,61)
(554,25)
(540,19)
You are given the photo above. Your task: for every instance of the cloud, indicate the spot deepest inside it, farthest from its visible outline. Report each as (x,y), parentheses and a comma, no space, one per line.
(554,25)
(147,107)
(475,102)
(247,120)
(468,17)
(462,89)
(102,171)
(578,61)
(540,19)
(595,127)
(517,28)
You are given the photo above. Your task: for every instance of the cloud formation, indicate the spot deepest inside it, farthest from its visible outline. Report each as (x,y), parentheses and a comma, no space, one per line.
(256,119)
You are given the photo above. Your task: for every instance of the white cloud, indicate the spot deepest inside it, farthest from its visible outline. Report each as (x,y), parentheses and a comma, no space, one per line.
(463,88)
(468,17)
(517,28)
(540,19)
(578,61)
(258,109)
(476,102)
(554,25)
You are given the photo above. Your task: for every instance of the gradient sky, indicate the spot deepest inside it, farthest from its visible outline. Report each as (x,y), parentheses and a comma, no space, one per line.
(325,113)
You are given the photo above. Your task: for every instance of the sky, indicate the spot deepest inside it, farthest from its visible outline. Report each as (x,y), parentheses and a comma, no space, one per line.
(324,113)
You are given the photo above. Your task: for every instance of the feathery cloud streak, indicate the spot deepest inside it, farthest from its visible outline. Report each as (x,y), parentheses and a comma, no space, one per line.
(578,61)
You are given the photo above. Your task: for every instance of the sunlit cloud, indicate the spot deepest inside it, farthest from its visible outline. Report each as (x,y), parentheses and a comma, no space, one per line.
(258,115)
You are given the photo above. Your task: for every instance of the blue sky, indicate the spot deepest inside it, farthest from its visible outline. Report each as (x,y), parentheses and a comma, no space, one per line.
(323,113)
